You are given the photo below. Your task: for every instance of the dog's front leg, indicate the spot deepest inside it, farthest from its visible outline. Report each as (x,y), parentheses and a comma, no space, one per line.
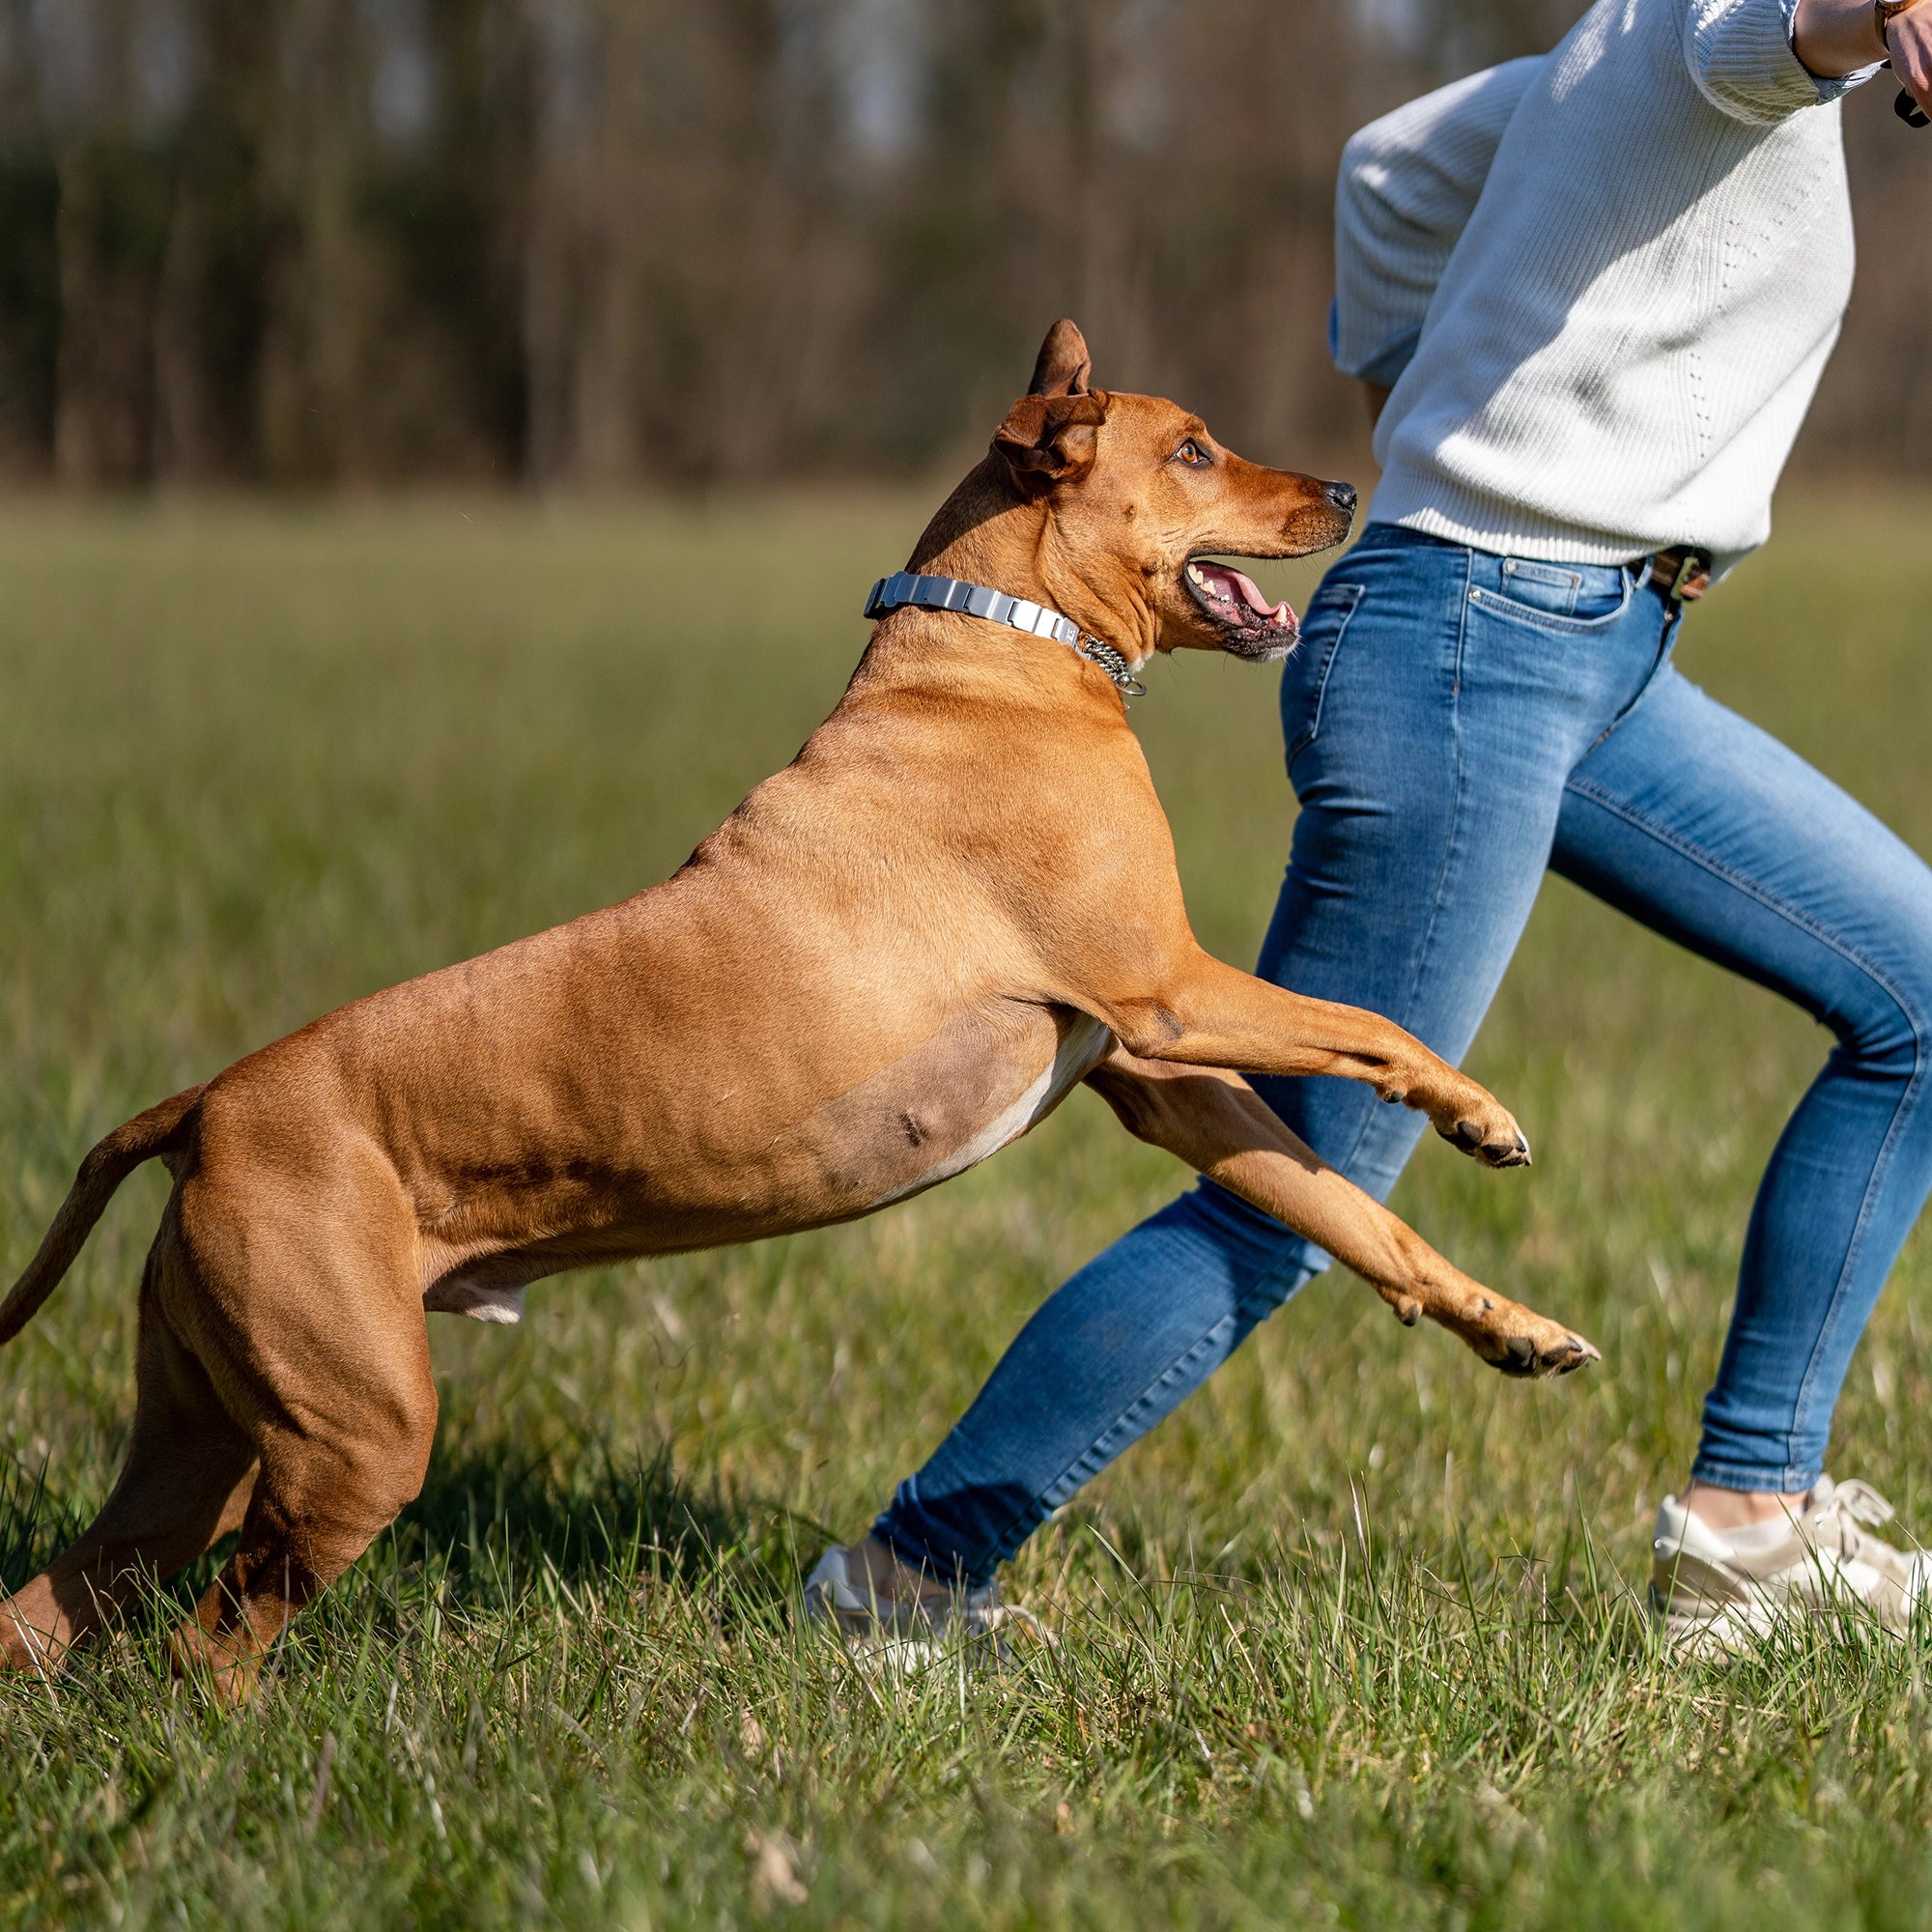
(1206,1013)
(1217,1124)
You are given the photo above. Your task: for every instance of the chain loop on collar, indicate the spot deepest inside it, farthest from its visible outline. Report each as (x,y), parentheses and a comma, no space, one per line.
(1096,651)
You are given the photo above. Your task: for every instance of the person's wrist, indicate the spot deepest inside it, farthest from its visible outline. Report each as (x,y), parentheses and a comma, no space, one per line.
(1884,13)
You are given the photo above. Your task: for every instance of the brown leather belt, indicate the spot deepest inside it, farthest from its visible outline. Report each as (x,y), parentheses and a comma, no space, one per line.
(1682,574)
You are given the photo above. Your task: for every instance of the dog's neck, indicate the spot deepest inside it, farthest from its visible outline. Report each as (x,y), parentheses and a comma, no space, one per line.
(989,533)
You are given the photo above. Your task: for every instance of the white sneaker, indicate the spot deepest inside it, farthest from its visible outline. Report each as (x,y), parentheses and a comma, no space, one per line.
(907,1631)
(1714,1590)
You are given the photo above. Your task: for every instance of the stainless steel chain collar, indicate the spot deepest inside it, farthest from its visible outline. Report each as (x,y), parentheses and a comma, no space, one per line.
(1018,613)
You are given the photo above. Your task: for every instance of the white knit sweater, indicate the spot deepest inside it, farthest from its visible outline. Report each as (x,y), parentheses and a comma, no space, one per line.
(1604,283)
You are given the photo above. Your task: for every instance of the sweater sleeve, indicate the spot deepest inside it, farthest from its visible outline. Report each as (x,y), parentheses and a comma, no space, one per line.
(1407,187)
(1741,56)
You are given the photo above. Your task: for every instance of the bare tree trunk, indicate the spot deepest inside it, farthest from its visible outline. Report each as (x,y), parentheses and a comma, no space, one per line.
(205,348)
(309,362)
(104,380)
(104,402)
(576,313)
(614,192)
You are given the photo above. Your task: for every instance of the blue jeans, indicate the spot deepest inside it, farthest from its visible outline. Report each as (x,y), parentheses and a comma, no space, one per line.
(1457,722)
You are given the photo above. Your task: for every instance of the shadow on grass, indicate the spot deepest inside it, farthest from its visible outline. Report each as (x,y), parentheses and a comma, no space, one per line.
(495,1521)
(491,1527)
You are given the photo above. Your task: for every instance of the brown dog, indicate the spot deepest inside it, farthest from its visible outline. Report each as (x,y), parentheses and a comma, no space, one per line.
(894,957)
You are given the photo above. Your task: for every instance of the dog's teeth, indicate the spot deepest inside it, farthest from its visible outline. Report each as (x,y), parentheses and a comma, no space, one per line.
(1194,576)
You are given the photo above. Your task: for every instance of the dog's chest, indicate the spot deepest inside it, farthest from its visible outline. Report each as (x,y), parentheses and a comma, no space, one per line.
(957,1100)
(979,1080)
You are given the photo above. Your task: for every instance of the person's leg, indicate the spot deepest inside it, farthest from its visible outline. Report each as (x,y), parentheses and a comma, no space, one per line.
(1712,832)
(1113,1350)
(1431,722)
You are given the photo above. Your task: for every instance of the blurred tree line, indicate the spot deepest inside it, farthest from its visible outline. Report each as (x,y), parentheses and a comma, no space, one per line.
(598,242)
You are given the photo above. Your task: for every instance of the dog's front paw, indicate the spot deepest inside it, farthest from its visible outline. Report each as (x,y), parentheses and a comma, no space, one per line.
(1519,1341)
(1475,1122)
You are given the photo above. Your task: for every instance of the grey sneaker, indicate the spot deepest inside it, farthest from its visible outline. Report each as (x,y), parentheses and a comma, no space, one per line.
(1715,1590)
(904,1631)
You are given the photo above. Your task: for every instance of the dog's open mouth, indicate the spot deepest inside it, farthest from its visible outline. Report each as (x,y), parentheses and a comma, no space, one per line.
(1250,625)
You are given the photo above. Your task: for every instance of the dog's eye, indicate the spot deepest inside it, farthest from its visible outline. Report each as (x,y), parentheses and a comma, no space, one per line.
(1192,454)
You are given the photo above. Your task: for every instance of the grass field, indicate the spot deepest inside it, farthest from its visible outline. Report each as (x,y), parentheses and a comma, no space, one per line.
(1353,1640)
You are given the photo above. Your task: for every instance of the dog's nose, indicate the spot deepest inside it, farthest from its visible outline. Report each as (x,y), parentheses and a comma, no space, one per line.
(1342,496)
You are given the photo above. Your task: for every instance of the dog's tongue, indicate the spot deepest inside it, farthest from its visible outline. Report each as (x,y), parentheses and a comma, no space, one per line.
(1249,592)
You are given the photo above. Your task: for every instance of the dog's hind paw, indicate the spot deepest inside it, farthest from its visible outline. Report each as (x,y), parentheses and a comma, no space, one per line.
(225,1669)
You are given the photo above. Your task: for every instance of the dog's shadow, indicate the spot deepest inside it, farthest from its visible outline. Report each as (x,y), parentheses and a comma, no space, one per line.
(495,1528)
(499,1524)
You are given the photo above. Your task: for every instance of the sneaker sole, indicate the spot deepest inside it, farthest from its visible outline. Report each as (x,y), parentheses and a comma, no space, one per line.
(1723,1636)
(1736,1630)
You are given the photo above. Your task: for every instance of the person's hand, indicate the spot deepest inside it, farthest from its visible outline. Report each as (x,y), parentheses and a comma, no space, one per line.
(1834,37)
(1910,41)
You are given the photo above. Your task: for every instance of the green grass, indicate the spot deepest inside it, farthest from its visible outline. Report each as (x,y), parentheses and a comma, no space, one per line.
(1352,1639)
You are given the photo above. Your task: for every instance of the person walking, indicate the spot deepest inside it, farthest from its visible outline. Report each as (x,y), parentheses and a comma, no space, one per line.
(1591,295)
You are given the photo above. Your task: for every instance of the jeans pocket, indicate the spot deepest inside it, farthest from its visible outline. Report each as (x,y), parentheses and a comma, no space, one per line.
(1549,587)
(1596,597)
(1305,680)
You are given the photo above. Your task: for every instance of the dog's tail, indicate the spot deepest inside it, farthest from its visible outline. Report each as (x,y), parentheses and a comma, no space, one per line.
(109,1163)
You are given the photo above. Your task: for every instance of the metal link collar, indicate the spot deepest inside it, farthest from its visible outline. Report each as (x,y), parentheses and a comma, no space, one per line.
(1018,613)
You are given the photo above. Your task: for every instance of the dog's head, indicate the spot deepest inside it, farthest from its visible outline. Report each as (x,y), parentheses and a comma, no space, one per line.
(1139,497)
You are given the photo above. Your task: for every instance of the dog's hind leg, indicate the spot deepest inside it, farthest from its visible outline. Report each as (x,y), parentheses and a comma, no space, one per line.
(187,1481)
(311,1515)
(1216,1123)
(323,1356)
(319,1501)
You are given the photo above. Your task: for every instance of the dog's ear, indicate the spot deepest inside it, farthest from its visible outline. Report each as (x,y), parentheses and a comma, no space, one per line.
(1049,439)
(1063,365)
